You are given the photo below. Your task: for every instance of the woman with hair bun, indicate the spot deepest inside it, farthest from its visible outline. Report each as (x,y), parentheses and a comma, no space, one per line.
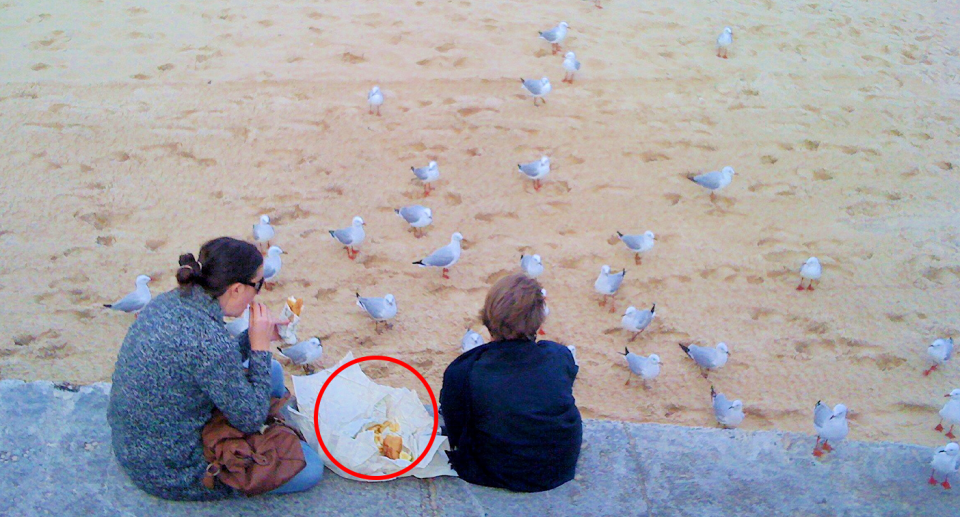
(178,362)
(508,406)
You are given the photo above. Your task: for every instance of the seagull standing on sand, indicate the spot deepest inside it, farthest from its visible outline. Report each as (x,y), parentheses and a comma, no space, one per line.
(538,88)
(531,265)
(375,99)
(830,426)
(380,309)
(571,65)
(271,265)
(636,320)
(470,340)
(262,231)
(639,243)
(444,257)
(535,171)
(134,301)
(724,41)
(239,324)
(304,352)
(940,351)
(427,175)
(707,358)
(417,216)
(608,284)
(713,181)
(351,237)
(729,414)
(555,35)
(646,367)
(950,412)
(810,271)
(946,461)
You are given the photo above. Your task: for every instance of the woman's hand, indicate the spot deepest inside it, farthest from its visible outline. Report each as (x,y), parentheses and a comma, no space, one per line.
(263,327)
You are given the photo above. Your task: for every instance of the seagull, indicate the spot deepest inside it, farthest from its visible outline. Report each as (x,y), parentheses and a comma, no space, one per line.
(707,358)
(714,181)
(638,243)
(546,311)
(304,352)
(535,171)
(729,414)
(134,301)
(946,461)
(555,35)
(470,340)
(531,265)
(830,425)
(444,257)
(375,98)
(351,237)
(271,265)
(380,309)
(539,89)
(571,65)
(724,41)
(418,216)
(239,324)
(950,412)
(427,175)
(607,284)
(940,351)
(646,367)
(262,231)
(810,271)
(636,321)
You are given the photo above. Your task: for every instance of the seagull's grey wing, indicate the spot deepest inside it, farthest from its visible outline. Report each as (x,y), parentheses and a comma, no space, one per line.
(550,35)
(643,319)
(422,173)
(344,235)
(128,303)
(533,86)
(636,362)
(821,413)
(376,307)
(296,353)
(949,351)
(440,258)
(269,270)
(615,280)
(577,65)
(412,214)
(704,357)
(720,405)
(633,241)
(710,180)
(530,169)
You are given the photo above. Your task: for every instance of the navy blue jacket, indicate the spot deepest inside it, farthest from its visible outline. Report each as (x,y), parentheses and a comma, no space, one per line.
(510,415)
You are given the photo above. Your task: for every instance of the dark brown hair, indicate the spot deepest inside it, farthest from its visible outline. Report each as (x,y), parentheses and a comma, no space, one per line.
(223,262)
(514,308)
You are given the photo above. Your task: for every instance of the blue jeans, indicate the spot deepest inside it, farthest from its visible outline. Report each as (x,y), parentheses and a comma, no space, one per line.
(313,472)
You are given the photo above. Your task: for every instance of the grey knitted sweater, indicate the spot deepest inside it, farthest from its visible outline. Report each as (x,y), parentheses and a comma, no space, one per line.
(176,364)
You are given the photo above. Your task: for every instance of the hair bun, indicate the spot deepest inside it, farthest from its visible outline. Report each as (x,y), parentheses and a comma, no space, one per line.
(189,271)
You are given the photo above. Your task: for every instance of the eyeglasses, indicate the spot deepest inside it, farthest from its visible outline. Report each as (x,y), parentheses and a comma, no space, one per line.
(256,286)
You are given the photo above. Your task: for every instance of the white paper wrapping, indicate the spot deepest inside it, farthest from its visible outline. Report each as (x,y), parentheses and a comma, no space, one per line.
(288,332)
(351,402)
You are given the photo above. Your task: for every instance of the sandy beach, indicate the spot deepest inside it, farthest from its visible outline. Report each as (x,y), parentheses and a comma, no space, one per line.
(133,131)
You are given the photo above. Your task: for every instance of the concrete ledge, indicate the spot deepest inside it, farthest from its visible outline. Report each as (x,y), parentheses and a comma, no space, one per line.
(56,459)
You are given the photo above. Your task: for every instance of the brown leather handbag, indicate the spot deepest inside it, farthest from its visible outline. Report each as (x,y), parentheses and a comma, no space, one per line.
(252,463)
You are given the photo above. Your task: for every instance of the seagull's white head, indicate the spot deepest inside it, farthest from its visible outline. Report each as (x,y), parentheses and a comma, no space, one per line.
(536,258)
(375,90)
(390,299)
(544,161)
(605,270)
(812,261)
(571,56)
(432,166)
(456,237)
(952,449)
(728,30)
(545,81)
(954,395)
(565,25)
(723,348)
(655,358)
(358,221)
(630,310)
(264,219)
(143,280)
(649,235)
(736,405)
(728,170)
(543,292)
(274,251)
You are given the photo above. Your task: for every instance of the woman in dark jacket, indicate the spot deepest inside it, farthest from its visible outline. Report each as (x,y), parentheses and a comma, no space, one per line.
(178,362)
(508,405)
